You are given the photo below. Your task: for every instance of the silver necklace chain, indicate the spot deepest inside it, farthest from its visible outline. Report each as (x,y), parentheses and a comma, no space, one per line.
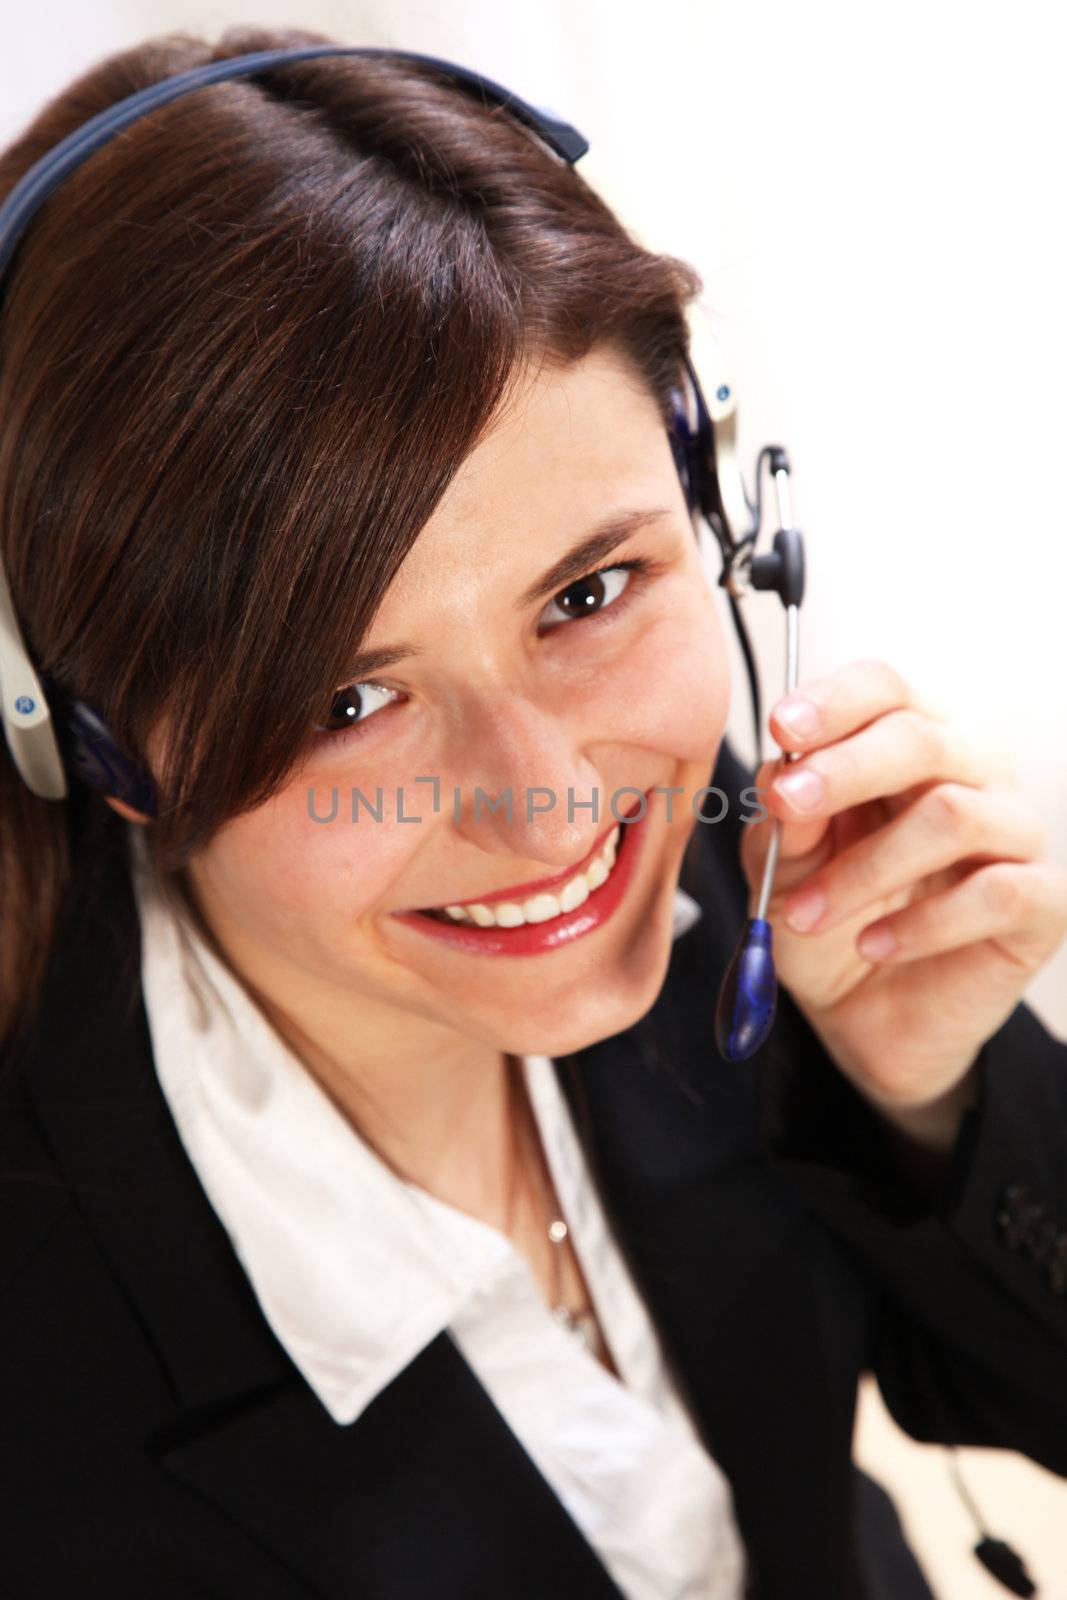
(581,1322)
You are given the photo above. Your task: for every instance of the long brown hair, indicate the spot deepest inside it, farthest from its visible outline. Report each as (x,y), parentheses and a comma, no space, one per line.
(243,350)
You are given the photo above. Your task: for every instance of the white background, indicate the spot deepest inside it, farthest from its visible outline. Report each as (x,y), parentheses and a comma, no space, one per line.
(874,198)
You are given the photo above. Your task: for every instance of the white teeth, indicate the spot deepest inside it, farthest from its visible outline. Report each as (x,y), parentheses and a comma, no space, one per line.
(574,893)
(542,907)
(596,872)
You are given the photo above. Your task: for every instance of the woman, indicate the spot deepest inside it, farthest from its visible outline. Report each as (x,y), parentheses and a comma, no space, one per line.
(340,1258)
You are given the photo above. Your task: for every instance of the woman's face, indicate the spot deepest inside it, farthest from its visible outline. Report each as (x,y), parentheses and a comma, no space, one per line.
(513,680)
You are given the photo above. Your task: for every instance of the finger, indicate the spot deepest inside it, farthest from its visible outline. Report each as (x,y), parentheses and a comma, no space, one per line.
(896,751)
(798,837)
(950,822)
(827,708)
(830,707)
(802,849)
(1022,906)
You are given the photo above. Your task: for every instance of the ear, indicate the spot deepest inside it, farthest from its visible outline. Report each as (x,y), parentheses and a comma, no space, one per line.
(126,811)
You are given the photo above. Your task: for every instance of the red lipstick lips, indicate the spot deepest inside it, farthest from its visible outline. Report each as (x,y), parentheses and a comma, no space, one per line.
(522,891)
(537,937)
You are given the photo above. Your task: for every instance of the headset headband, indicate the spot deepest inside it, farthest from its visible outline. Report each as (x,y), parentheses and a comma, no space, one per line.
(24,707)
(48,173)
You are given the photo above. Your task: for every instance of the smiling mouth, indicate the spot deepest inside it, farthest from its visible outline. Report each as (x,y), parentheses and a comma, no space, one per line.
(515,909)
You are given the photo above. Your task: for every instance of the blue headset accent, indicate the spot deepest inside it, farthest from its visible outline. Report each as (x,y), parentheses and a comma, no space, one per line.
(91,753)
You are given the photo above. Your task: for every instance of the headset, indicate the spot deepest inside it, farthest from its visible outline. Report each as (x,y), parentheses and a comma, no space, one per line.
(51,734)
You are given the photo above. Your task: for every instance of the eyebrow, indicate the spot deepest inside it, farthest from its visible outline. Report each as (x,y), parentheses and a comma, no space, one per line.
(589,553)
(575,563)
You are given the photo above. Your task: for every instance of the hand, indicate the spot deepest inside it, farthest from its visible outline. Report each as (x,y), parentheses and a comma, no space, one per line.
(911,903)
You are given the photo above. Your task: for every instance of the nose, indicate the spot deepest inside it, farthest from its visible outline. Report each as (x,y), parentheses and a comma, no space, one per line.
(529,753)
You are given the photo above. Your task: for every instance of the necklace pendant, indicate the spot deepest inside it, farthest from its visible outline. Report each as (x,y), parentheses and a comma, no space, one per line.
(582,1325)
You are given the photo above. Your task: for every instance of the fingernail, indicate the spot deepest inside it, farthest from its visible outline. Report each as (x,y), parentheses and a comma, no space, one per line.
(875,943)
(801,789)
(804,912)
(799,716)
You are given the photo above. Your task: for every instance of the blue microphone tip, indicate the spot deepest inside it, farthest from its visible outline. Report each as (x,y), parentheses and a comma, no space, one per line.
(748,994)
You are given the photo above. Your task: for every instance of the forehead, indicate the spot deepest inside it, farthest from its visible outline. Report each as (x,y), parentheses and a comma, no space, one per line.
(568,446)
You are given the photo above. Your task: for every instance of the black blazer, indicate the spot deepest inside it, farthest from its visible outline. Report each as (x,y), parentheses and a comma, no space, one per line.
(157,1441)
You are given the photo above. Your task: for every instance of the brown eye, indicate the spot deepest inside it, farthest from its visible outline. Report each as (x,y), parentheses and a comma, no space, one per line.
(588,596)
(354,705)
(584,595)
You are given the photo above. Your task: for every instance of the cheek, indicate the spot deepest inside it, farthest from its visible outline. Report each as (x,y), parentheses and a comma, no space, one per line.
(287,871)
(670,690)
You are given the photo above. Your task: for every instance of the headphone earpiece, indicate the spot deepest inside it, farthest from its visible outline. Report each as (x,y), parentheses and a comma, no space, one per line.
(686,447)
(91,753)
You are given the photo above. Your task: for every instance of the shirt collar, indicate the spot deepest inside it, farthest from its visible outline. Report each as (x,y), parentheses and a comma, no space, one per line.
(354,1272)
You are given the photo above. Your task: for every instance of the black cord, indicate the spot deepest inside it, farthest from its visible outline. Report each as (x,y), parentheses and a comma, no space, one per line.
(756,509)
(730,550)
(998,1558)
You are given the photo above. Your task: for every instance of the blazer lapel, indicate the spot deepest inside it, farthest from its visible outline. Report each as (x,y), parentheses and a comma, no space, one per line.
(428,1491)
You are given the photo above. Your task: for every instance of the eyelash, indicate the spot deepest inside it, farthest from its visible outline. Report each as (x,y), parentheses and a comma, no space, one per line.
(642,570)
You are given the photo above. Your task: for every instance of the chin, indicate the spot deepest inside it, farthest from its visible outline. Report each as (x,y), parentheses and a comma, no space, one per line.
(605,1009)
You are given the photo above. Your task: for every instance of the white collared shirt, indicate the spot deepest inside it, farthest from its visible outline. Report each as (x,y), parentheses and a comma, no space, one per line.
(356,1271)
